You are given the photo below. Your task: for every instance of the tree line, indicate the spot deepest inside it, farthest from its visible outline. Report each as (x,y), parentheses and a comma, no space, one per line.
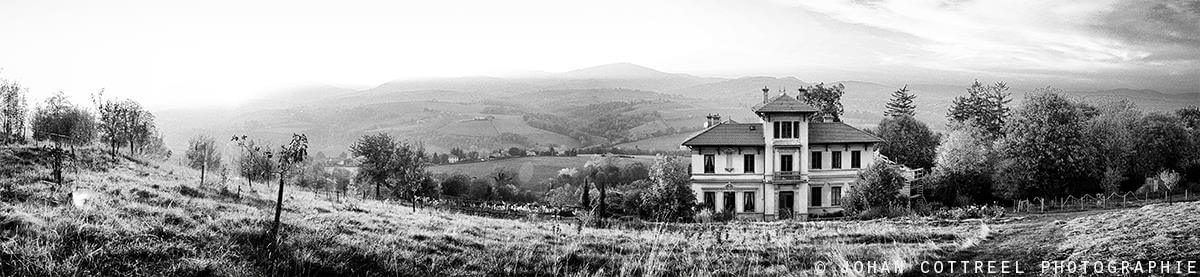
(115,123)
(1051,145)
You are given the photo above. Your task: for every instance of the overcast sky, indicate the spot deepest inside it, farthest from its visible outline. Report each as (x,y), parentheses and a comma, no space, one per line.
(216,52)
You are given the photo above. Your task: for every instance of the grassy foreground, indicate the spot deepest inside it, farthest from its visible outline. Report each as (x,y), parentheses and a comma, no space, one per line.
(126,218)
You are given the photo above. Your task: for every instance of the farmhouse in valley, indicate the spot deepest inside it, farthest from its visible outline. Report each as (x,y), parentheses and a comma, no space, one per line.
(790,164)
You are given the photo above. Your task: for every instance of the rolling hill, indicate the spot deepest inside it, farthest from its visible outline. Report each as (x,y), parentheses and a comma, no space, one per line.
(658,106)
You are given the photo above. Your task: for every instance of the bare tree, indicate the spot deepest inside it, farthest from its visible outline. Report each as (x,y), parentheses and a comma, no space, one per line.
(289,157)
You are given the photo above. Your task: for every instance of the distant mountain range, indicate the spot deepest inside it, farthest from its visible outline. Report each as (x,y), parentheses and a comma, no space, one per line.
(439,111)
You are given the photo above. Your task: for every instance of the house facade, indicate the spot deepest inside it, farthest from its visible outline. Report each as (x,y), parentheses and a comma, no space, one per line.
(790,164)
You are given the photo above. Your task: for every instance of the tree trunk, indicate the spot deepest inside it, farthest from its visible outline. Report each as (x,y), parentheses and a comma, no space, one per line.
(278,210)
(203,169)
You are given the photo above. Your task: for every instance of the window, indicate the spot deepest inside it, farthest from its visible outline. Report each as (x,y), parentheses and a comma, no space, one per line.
(835,196)
(815,197)
(710,200)
(729,201)
(748,163)
(748,202)
(855,159)
(837,159)
(710,163)
(787,129)
(785,162)
(816,160)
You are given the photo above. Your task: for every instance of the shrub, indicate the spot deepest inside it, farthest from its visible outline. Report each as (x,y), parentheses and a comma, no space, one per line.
(878,188)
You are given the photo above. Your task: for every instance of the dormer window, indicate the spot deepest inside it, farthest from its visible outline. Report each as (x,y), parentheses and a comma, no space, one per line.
(787,129)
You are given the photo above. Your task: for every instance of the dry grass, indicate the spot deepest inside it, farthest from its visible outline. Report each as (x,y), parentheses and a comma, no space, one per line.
(147,221)
(1154,232)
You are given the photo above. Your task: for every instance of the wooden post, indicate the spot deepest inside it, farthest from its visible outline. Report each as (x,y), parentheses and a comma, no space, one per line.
(1043,204)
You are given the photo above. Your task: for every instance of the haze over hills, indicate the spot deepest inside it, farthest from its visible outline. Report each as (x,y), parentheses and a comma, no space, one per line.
(601,105)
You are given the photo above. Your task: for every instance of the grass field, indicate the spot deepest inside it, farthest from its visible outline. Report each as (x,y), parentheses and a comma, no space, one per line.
(1157,232)
(124,218)
(531,170)
(668,142)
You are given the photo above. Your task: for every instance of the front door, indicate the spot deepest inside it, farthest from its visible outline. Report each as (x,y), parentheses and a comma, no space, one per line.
(786,208)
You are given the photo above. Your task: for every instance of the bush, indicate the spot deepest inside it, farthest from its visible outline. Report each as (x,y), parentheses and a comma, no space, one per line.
(877,191)
(707,215)
(968,212)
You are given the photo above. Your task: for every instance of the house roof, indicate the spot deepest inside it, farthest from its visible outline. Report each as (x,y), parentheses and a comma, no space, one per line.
(837,132)
(749,134)
(727,133)
(784,103)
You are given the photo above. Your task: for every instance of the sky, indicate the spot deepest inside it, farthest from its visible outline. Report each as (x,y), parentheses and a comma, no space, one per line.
(170,54)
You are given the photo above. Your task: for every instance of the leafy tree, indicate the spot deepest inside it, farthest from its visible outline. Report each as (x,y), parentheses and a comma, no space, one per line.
(202,154)
(399,166)
(1161,143)
(1190,116)
(876,191)
(983,105)
(907,141)
(1111,133)
(516,152)
(1045,151)
(669,196)
(62,122)
(901,104)
(123,122)
(456,184)
(13,108)
(407,175)
(376,153)
(965,162)
(827,99)
(481,189)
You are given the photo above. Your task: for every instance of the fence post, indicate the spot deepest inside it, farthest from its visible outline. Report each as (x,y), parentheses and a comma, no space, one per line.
(1043,204)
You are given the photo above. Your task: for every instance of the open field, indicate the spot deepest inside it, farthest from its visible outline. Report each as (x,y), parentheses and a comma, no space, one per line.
(1157,232)
(126,218)
(531,170)
(668,142)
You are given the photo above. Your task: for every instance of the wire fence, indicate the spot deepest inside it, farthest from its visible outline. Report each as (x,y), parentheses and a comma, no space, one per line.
(1100,201)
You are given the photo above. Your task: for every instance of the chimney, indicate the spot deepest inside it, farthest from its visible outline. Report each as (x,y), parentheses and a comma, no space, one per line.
(803,93)
(765,90)
(712,119)
(825,117)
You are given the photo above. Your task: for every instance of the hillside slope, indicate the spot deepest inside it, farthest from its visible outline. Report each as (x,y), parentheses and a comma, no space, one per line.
(118,217)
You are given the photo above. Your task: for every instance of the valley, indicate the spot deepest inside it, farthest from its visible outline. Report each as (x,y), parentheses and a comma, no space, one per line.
(622,105)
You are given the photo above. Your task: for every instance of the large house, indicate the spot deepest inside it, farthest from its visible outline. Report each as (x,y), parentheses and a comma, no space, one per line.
(790,164)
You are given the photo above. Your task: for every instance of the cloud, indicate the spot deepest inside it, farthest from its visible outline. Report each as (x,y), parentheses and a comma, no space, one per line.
(1172,28)
(1035,36)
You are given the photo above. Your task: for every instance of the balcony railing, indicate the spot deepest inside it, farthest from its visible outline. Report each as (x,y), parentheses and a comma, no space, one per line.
(790,176)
